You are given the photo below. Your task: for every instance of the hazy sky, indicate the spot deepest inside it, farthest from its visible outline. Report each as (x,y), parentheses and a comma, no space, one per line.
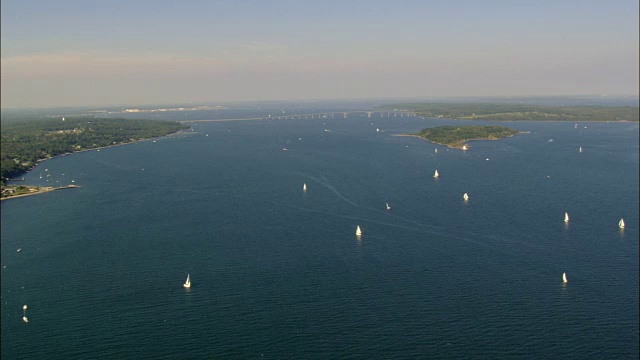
(113,52)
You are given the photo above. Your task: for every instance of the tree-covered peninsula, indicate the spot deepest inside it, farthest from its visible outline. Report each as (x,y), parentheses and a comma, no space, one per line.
(25,142)
(456,136)
(518,112)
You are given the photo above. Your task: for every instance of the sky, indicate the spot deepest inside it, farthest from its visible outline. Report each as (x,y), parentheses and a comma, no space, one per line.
(113,52)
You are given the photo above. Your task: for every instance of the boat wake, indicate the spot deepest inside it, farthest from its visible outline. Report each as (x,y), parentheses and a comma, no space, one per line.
(108,163)
(417,226)
(324,183)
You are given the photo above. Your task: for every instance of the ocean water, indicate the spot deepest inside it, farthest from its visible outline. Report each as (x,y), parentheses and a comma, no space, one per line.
(278,273)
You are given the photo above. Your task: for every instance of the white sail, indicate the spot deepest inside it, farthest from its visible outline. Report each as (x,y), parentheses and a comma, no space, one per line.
(621,224)
(564,278)
(435,175)
(304,187)
(465,148)
(388,207)
(436,150)
(187,284)
(24,314)
(358,231)
(566,217)
(580,149)
(465,197)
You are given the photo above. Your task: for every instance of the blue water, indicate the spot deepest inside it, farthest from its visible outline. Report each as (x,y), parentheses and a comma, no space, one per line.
(278,273)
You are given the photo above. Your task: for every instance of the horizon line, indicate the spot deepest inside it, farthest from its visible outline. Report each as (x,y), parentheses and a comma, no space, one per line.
(423,98)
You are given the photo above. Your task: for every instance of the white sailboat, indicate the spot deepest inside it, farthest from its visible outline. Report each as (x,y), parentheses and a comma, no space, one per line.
(566,217)
(187,283)
(436,150)
(388,207)
(465,197)
(464,148)
(621,224)
(564,278)
(580,149)
(24,314)
(304,187)
(358,231)
(436,175)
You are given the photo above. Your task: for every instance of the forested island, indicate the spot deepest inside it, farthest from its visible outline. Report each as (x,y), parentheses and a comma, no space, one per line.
(456,136)
(518,112)
(26,142)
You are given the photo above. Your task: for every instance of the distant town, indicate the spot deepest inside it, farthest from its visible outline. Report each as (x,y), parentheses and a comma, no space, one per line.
(197,108)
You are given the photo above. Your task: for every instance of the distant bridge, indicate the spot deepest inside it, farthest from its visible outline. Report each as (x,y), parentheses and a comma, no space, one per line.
(320,115)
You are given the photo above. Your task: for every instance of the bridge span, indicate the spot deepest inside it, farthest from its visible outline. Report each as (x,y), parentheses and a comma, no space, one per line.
(320,115)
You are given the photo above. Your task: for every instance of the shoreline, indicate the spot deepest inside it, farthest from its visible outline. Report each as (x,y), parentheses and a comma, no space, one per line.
(179,132)
(45,189)
(516,121)
(41,191)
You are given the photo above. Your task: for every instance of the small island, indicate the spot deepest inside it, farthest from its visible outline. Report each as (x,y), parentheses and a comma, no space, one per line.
(456,136)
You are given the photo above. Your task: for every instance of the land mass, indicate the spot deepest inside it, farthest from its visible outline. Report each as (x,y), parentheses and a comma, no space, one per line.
(456,136)
(26,142)
(197,108)
(11,192)
(518,112)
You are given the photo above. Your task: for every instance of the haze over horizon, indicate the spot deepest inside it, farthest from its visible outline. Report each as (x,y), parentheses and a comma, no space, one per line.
(75,53)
